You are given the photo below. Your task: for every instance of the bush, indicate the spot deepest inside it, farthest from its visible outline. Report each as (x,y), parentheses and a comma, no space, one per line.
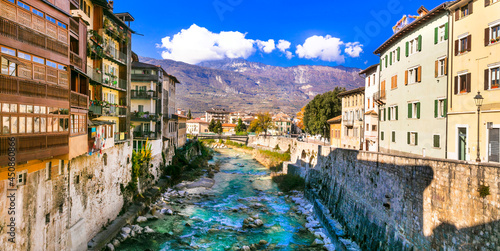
(278,156)
(277,147)
(288,182)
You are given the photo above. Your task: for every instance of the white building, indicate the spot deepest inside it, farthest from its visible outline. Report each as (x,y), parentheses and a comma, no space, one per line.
(372,93)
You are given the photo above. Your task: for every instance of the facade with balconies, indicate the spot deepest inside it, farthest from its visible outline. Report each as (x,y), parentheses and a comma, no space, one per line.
(352,126)
(370,135)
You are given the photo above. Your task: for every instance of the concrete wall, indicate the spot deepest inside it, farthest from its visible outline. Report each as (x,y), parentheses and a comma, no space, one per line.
(393,202)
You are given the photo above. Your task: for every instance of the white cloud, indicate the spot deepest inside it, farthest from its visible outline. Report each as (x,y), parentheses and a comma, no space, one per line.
(288,54)
(266,47)
(197,44)
(283,45)
(325,48)
(353,49)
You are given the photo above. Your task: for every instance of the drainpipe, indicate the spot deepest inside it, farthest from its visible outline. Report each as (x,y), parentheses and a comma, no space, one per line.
(450,78)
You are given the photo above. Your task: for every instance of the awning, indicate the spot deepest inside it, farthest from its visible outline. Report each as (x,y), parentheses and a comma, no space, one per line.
(99,122)
(13,60)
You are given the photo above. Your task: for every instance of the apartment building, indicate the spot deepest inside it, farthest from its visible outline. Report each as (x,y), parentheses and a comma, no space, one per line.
(196,127)
(181,130)
(335,131)
(474,48)
(218,114)
(352,118)
(372,92)
(414,61)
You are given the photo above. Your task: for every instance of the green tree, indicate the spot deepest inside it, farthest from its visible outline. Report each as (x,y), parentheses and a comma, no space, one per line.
(322,108)
(189,114)
(240,127)
(263,123)
(218,127)
(211,126)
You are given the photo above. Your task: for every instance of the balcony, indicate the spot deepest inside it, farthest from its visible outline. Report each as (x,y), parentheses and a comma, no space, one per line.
(115,55)
(348,122)
(379,97)
(147,135)
(121,137)
(138,94)
(75,60)
(145,116)
(79,100)
(145,77)
(74,26)
(35,147)
(23,34)
(95,110)
(107,80)
(24,87)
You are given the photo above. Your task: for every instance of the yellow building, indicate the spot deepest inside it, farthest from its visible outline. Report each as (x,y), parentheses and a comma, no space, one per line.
(335,129)
(475,52)
(353,107)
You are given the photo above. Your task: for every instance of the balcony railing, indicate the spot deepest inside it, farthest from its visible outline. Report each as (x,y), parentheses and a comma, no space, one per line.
(74,25)
(20,86)
(121,137)
(348,122)
(94,74)
(144,116)
(115,54)
(137,94)
(106,80)
(79,100)
(379,96)
(12,29)
(75,60)
(35,147)
(147,135)
(95,109)
(122,83)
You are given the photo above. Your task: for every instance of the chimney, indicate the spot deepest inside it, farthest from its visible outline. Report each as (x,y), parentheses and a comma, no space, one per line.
(110,4)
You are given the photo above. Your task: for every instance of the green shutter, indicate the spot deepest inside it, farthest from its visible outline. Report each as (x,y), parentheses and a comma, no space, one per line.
(397,112)
(380,63)
(407,48)
(436,35)
(445,112)
(385,109)
(446,31)
(399,53)
(409,110)
(436,105)
(416,138)
(420,43)
(385,61)
(436,141)
(389,115)
(379,115)
(418,110)
(409,138)
(381,135)
(390,58)
(393,136)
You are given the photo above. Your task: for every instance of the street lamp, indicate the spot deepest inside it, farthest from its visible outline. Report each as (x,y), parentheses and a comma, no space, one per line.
(324,135)
(478,99)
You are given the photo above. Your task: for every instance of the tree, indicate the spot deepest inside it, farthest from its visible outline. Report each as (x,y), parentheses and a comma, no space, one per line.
(240,127)
(189,114)
(263,123)
(300,117)
(218,127)
(322,108)
(211,126)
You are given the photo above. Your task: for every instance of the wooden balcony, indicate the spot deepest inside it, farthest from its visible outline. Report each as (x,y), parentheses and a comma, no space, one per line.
(27,35)
(19,86)
(33,147)
(75,60)
(79,100)
(74,26)
(379,97)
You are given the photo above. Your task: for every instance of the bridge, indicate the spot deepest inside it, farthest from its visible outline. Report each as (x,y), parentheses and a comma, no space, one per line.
(235,138)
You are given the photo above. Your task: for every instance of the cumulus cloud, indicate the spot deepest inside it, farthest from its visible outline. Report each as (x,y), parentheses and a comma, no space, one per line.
(197,44)
(353,49)
(283,46)
(325,48)
(266,47)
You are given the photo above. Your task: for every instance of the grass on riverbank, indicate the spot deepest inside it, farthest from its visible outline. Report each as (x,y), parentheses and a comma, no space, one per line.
(289,182)
(182,169)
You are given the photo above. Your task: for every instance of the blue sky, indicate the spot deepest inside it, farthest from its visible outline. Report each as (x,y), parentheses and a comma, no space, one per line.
(319,32)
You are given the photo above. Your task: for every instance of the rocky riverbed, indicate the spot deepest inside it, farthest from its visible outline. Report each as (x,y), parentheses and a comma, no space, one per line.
(239,209)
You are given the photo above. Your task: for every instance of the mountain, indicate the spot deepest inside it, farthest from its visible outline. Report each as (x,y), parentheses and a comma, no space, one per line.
(240,85)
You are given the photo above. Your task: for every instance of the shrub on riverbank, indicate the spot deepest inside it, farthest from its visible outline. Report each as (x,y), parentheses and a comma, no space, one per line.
(240,145)
(276,155)
(184,169)
(289,182)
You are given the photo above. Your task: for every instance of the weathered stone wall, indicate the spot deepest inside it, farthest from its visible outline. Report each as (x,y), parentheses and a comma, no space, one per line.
(389,202)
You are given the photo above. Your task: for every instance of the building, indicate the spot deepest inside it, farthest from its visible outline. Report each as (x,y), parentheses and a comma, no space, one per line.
(412,108)
(217,114)
(228,128)
(474,49)
(196,127)
(108,66)
(372,92)
(335,131)
(170,119)
(235,116)
(181,130)
(352,118)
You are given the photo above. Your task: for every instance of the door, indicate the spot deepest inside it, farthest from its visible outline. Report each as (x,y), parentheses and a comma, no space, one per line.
(493,145)
(462,143)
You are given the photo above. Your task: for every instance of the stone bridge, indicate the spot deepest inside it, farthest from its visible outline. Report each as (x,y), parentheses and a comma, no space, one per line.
(235,138)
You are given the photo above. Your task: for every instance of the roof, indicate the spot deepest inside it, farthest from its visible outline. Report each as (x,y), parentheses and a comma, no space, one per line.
(369,69)
(335,120)
(353,91)
(125,16)
(197,121)
(372,112)
(99,122)
(182,116)
(218,110)
(228,125)
(412,26)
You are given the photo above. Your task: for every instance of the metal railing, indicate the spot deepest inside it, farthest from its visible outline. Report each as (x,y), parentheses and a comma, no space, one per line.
(348,122)
(146,135)
(138,116)
(379,96)
(138,94)
(121,136)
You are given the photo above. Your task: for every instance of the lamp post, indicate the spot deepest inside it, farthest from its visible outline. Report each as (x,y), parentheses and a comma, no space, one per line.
(478,99)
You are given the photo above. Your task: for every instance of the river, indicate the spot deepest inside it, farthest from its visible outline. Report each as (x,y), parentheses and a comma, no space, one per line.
(213,218)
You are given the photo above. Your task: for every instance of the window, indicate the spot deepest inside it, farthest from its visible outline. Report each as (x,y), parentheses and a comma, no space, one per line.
(21,178)
(37,12)
(38,60)
(374,128)
(8,67)
(61,25)
(24,6)
(23,56)
(11,52)
(414,110)
(462,83)
(51,64)
(50,19)
(394,53)
(47,218)
(61,167)
(394,136)
(413,46)
(494,78)
(48,170)
(393,112)
(441,66)
(413,75)
(463,44)
(441,33)
(440,109)
(367,127)
(412,138)
(495,33)
(381,135)
(464,11)
(436,141)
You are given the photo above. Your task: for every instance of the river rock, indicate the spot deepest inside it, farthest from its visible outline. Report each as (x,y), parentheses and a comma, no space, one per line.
(187,224)
(245,248)
(110,247)
(116,242)
(141,219)
(148,230)
(126,230)
(258,222)
(262,242)
(317,242)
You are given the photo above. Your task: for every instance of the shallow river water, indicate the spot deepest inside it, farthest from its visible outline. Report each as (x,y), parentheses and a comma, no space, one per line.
(243,188)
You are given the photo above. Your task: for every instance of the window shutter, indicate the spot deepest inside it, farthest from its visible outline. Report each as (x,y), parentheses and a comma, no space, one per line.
(399,52)
(470,7)
(486,3)
(446,66)
(406,77)
(409,110)
(389,117)
(468,80)
(420,43)
(397,112)
(446,31)
(486,79)
(382,135)
(456,85)
(385,61)
(407,48)
(487,36)
(379,114)
(418,110)
(419,74)
(385,111)
(456,47)
(436,35)
(445,110)
(469,42)
(436,102)
(409,138)
(396,81)
(390,58)
(380,63)
(457,14)
(416,138)
(436,68)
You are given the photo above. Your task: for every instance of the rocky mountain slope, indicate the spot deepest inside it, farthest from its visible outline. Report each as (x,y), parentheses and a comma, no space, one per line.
(239,85)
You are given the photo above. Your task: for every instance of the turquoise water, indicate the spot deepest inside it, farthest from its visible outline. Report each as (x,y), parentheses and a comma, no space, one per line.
(210,223)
